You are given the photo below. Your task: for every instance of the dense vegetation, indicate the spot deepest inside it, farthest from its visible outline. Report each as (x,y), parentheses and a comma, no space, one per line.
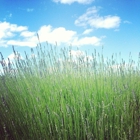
(56,96)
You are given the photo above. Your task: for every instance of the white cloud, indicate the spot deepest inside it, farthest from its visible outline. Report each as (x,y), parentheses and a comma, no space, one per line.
(61,35)
(52,35)
(87,41)
(16,28)
(72,1)
(3,43)
(83,19)
(27,34)
(21,43)
(87,31)
(93,19)
(29,10)
(105,22)
(12,34)
(7,30)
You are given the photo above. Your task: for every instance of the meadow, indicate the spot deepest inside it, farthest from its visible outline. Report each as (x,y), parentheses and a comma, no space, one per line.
(51,95)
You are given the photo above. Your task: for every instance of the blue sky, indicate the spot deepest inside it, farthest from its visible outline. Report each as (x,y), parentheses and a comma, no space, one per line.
(86,24)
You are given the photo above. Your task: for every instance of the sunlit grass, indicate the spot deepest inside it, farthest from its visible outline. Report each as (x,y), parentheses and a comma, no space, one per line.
(69,99)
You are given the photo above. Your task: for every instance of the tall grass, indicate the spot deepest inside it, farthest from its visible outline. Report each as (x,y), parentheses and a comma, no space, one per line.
(55,96)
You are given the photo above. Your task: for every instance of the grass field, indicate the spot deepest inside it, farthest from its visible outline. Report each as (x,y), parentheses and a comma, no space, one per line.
(79,98)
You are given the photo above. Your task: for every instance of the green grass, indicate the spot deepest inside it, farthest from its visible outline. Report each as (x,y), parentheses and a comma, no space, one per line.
(47,99)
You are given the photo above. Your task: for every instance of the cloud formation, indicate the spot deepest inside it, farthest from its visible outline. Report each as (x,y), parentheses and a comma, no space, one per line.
(27,34)
(93,19)
(8,32)
(60,35)
(12,34)
(72,1)
(21,42)
(87,41)
(7,29)
(87,31)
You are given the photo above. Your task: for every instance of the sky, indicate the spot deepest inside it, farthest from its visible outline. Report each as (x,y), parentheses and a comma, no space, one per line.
(84,24)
